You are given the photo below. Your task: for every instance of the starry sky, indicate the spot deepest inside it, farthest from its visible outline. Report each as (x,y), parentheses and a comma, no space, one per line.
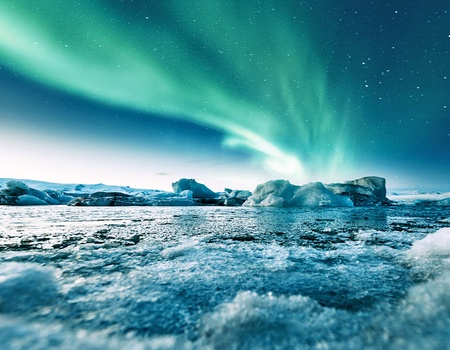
(232,93)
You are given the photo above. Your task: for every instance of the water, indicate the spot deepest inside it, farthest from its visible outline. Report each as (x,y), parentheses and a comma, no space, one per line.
(224,278)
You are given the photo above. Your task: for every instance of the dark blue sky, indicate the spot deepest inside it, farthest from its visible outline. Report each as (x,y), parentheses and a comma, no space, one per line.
(142,93)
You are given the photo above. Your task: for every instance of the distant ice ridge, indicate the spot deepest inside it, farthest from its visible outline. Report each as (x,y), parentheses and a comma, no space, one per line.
(15,192)
(366,191)
(187,192)
(414,197)
(18,193)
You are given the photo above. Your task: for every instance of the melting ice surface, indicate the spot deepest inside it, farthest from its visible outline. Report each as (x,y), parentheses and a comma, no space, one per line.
(224,278)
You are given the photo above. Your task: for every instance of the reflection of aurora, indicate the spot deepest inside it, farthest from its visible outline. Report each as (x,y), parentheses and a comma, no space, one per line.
(251,72)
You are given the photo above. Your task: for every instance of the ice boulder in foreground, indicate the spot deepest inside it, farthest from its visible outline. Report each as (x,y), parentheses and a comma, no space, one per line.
(430,256)
(281,193)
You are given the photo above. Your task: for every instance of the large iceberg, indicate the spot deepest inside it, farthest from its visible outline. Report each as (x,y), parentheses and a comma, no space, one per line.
(369,190)
(281,193)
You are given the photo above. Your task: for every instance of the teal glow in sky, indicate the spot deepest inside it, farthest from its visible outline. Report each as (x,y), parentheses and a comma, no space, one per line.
(238,92)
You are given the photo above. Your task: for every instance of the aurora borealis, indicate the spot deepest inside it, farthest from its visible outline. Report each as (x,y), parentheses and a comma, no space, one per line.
(227,92)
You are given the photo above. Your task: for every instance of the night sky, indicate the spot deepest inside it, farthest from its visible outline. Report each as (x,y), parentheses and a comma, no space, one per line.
(232,93)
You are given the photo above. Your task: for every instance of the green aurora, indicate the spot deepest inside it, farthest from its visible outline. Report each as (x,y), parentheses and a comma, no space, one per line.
(302,90)
(250,71)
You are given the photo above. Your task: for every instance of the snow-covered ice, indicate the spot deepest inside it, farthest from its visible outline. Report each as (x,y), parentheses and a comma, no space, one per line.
(224,277)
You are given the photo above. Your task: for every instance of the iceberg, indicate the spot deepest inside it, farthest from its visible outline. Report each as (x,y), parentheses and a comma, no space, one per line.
(198,190)
(281,193)
(99,199)
(317,195)
(18,193)
(366,191)
(233,198)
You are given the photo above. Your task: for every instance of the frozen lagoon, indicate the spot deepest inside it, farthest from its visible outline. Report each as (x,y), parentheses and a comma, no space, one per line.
(224,278)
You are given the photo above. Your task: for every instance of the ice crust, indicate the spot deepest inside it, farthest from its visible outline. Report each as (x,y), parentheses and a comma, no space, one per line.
(212,278)
(24,287)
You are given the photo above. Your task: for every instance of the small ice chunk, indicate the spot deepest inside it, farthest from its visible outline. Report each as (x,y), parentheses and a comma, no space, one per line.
(436,245)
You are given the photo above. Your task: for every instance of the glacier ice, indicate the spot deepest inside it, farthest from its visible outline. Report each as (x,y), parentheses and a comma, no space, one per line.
(369,190)
(281,193)
(18,193)
(198,190)
(27,199)
(365,191)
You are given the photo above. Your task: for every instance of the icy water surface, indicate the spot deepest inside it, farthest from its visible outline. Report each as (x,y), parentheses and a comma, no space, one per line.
(224,278)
